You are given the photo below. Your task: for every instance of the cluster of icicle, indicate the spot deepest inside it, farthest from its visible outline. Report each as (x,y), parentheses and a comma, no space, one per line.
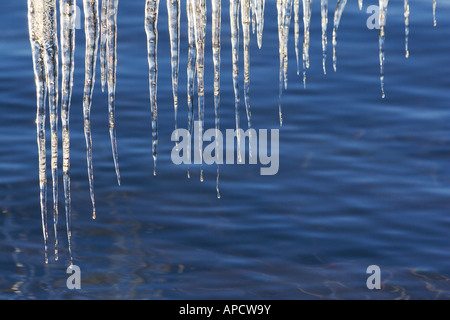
(43,26)
(101,32)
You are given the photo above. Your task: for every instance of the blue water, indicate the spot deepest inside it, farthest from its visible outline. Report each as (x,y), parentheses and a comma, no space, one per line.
(362,180)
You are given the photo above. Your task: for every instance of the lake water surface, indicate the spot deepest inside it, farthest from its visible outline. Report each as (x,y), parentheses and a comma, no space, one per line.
(362,180)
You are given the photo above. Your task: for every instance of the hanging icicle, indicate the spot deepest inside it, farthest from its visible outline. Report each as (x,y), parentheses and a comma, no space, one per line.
(245,13)
(91,26)
(111,49)
(259,8)
(360,3)
(324,14)
(191,72)
(280,19)
(173,12)
(199,31)
(406,13)
(337,19)
(216,30)
(306,24)
(297,33)
(234,24)
(287,14)
(67,11)
(151,29)
(38,13)
(103,61)
(382,20)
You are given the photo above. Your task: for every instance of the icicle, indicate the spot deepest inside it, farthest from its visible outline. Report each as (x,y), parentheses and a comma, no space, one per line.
(173,11)
(92,34)
(103,61)
(191,71)
(111,49)
(360,2)
(434,13)
(280,19)
(151,29)
(199,31)
(234,23)
(406,5)
(306,23)
(51,67)
(253,14)
(287,13)
(383,11)
(297,32)
(337,18)
(324,10)
(216,30)
(67,10)
(260,7)
(245,12)
(36,11)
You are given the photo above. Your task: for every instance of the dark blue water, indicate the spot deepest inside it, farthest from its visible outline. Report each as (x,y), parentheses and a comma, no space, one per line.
(362,180)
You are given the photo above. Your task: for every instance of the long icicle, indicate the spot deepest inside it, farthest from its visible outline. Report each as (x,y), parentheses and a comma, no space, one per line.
(67,11)
(50,43)
(199,31)
(297,32)
(280,19)
(406,13)
(92,34)
(382,20)
(173,11)
(103,61)
(306,38)
(287,14)
(324,11)
(337,19)
(111,49)
(151,29)
(245,13)
(191,71)
(216,30)
(35,16)
(234,23)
